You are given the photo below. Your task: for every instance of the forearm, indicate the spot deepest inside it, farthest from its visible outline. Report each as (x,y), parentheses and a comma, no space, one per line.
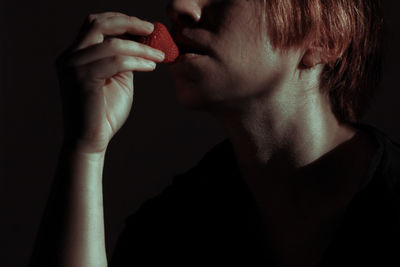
(72,228)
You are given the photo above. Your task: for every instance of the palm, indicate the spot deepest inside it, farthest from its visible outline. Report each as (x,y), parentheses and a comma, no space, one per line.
(118,99)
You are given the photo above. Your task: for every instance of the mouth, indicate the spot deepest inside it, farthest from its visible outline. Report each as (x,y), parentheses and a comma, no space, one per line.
(186,49)
(187,45)
(191,51)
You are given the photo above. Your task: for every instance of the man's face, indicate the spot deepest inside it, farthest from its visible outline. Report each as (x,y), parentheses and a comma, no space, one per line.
(241,65)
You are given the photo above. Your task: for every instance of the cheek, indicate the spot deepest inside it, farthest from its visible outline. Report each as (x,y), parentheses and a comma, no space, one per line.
(253,72)
(239,72)
(248,60)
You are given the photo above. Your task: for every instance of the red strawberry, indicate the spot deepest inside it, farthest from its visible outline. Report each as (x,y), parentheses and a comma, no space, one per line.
(161,39)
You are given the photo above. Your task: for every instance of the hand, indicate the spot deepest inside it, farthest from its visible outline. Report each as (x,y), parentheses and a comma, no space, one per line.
(96,78)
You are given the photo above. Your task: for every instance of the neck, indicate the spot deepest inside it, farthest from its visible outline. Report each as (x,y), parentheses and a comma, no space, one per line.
(270,138)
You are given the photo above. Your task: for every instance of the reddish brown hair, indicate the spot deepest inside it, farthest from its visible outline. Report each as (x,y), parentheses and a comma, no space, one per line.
(350,32)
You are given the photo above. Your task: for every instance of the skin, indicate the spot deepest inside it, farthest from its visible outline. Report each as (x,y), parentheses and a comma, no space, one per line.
(284,134)
(96,78)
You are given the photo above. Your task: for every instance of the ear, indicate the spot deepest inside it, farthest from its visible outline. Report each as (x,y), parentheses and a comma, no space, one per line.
(312,57)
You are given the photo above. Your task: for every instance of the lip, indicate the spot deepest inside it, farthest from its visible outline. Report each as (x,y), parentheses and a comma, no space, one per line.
(186,57)
(187,45)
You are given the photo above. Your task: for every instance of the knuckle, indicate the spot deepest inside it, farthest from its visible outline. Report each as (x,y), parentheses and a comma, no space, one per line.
(132,19)
(135,19)
(143,49)
(141,46)
(113,13)
(96,23)
(113,43)
(119,60)
(91,18)
(94,20)
(149,50)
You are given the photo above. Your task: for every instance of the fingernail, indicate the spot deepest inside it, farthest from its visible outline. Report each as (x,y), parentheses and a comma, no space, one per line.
(160,55)
(150,26)
(151,64)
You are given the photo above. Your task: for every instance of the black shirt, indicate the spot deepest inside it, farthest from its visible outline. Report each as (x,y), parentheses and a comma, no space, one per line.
(207,216)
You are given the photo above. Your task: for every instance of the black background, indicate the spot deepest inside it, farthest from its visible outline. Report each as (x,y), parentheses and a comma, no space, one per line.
(158,141)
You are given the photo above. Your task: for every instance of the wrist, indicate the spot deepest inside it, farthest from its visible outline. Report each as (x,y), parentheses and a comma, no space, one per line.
(83,150)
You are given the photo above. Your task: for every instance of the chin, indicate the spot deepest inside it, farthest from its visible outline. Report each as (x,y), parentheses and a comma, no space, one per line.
(197,92)
(193,98)
(189,98)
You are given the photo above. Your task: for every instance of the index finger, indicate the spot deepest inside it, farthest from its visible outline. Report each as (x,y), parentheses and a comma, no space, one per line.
(100,26)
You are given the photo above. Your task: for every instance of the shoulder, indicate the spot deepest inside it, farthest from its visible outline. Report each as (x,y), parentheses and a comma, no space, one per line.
(389,164)
(163,224)
(386,161)
(188,187)
(387,177)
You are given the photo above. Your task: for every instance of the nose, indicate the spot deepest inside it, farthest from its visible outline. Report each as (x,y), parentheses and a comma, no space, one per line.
(184,12)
